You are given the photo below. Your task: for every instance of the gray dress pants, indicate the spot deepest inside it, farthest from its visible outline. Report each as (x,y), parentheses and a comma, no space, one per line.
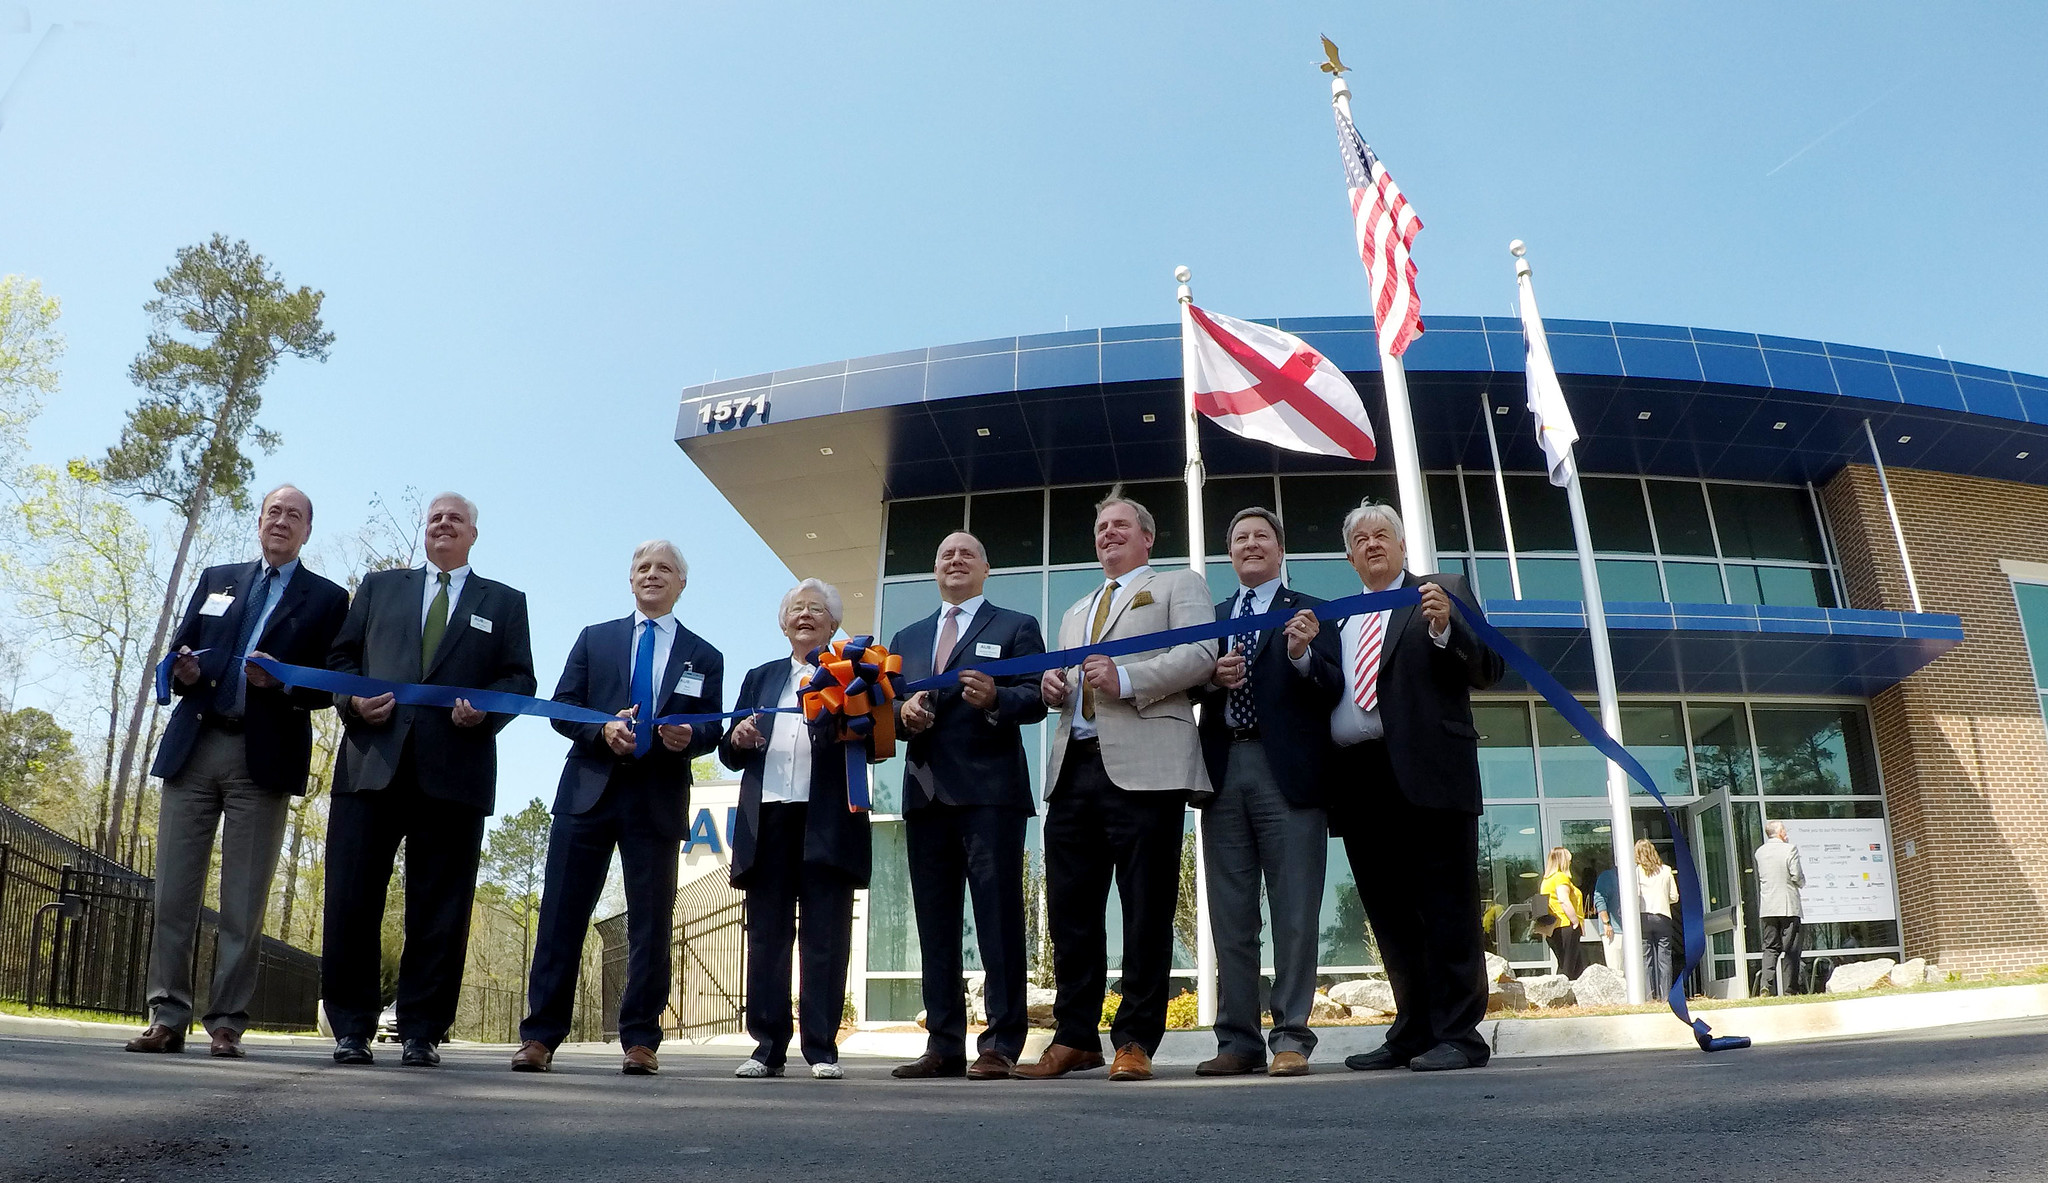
(214,785)
(1249,833)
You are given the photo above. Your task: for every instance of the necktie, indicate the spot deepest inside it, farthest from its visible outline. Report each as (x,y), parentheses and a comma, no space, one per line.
(1366,671)
(436,624)
(949,636)
(643,690)
(1241,710)
(234,690)
(1094,635)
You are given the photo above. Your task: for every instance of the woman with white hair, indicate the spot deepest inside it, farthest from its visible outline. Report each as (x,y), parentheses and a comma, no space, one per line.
(797,847)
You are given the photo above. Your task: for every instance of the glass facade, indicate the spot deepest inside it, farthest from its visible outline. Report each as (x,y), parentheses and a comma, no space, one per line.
(2033,604)
(1726,765)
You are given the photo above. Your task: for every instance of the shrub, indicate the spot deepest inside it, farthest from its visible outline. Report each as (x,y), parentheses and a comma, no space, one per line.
(1182,1013)
(1110,1002)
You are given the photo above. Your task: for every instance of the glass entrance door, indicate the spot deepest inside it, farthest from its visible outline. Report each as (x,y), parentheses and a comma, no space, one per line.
(1708,819)
(1587,830)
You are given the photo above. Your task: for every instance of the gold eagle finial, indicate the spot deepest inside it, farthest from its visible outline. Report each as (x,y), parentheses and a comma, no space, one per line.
(1334,65)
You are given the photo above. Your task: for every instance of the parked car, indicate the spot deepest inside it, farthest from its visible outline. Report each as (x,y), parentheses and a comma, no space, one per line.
(387,1024)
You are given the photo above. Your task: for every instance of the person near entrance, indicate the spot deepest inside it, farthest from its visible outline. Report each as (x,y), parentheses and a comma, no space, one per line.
(1607,911)
(1656,894)
(1403,793)
(417,775)
(1778,880)
(1568,909)
(1265,730)
(237,748)
(1125,759)
(625,787)
(966,798)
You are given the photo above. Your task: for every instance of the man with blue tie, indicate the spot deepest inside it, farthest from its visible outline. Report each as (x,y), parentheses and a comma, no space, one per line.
(625,787)
(966,798)
(237,749)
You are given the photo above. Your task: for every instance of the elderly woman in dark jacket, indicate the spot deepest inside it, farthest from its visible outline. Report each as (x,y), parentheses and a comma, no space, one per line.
(797,847)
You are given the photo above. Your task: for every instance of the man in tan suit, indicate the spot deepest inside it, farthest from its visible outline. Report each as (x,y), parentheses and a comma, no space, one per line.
(1125,758)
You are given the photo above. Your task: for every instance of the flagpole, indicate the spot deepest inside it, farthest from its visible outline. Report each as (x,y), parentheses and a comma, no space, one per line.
(1198,560)
(1500,486)
(1408,483)
(1622,825)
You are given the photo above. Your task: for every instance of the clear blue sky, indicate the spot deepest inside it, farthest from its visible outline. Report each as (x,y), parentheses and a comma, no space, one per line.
(534,224)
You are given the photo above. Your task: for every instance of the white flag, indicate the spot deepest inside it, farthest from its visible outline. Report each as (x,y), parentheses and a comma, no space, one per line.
(1270,386)
(1554,427)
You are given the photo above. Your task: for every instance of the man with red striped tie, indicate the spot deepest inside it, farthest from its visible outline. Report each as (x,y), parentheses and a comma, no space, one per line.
(1404,795)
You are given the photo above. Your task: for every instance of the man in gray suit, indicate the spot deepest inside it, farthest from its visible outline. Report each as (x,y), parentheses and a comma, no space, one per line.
(1778,880)
(1125,758)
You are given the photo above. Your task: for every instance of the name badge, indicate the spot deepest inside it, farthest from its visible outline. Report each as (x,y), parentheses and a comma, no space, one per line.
(217,604)
(690,685)
(479,623)
(987,649)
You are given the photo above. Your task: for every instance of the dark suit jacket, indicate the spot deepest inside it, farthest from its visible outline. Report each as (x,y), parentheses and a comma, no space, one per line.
(833,834)
(277,724)
(599,675)
(381,639)
(1426,706)
(1293,708)
(969,756)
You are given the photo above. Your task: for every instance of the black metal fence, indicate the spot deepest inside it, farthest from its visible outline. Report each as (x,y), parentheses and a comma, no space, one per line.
(92,951)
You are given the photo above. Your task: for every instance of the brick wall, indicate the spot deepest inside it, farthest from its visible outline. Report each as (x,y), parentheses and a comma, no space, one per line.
(1961,743)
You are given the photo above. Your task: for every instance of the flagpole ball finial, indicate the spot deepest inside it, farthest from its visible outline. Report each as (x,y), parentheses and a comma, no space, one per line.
(1182,275)
(1517,248)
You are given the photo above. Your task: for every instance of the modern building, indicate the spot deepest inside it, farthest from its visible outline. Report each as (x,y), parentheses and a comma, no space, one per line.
(1772,657)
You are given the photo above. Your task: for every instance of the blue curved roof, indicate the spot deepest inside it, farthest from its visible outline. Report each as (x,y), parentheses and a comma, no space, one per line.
(1654,399)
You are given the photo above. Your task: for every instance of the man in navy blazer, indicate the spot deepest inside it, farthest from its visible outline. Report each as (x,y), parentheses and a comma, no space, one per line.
(966,796)
(237,748)
(624,787)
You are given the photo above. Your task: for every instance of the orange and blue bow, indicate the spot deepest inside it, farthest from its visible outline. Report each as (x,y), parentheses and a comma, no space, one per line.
(852,694)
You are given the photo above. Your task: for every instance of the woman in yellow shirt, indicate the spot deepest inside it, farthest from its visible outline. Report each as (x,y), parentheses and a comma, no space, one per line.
(1568,905)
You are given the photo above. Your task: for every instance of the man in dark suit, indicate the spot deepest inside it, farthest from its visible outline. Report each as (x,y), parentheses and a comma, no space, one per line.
(966,796)
(238,747)
(626,789)
(416,774)
(1265,728)
(1404,793)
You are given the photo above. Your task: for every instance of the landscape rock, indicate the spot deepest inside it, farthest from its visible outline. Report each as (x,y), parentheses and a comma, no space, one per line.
(1369,992)
(1497,970)
(1324,1010)
(1548,990)
(1911,972)
(1860,975)
(1507,996)
(1936,975)
(977,1000)
(1368,1013)
(1038,1002)
(1601,985)
(920,1021)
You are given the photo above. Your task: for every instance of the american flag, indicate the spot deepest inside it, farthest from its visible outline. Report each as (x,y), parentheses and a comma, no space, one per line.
(1386,226)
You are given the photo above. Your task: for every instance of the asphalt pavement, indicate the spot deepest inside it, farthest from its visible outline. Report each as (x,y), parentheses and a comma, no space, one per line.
(1961,1103)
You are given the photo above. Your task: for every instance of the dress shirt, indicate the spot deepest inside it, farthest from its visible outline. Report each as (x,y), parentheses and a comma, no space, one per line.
(786,768)
(455,579)
(968,608)
(1085,728)
(1262,602)
(664,640)
(263,611)
(1349,722)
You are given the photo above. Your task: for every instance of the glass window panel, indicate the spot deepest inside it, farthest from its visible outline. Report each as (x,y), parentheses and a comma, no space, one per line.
(1766,522)
(1571,767)
(1616,516)
(1072,537)
(1221,499)
(1011,526)
(1552,579)
(1019,591)
(892,930)
(1168,502)
(1314,507)
(1714,852)
(1694,583)
(905,603)
(1654,733)
(1742,585)
(1796,587)
(1483,499)
(1446,514)
(1186,928)
(1063,590)
(1507,760)
(894,1000)
(1749,835)
(1542,514)
(885,782)
(1720,749)
(915,530)
(1222,580)
(2033,602)
(1848,934)
(1510,871)
(1345,938)
(1814,751)
(1326,579)
(1621,579)
(1681,512)
(1492,580)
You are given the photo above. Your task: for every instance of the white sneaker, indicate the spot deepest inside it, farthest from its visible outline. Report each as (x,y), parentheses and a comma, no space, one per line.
(754,1070)
(826,1072)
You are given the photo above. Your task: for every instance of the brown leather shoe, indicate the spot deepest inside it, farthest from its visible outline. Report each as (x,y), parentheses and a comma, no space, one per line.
(1226,1064)
(1058,1060)
(640,1061)
(1288,1064)
(931,1066)
(158,1038)
(533,1056)
(1131,1064)
(991,1066)
(226,1043)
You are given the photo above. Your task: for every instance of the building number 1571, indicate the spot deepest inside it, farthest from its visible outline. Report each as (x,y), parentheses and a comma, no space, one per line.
(731,412)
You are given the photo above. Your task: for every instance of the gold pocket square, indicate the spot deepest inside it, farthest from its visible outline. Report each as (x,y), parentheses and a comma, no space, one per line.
(1141,599)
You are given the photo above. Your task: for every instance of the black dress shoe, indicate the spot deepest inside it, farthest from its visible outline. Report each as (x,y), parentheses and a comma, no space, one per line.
(1377,1060)
(1443,1058)
(930,1066)
(420,1053)
(353,1049)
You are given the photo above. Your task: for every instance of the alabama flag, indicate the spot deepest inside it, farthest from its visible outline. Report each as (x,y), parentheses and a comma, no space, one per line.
(1267,385)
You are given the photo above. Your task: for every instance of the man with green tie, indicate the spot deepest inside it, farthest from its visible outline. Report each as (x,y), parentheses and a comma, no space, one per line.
(418,774)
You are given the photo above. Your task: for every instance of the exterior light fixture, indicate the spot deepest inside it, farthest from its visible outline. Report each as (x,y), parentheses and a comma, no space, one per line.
(982,432)
(1905,439)
(1150,417)
(824,451)
(1641,415)
(1778,426)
